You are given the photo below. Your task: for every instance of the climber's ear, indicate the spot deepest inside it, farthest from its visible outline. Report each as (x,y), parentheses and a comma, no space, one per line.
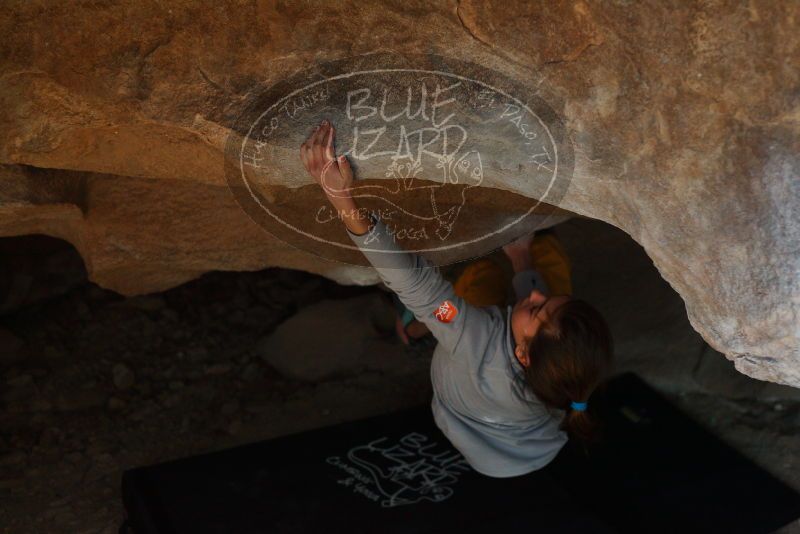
(522,356)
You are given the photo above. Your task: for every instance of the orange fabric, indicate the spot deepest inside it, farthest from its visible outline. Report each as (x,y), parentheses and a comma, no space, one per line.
(552,262)
(484,283)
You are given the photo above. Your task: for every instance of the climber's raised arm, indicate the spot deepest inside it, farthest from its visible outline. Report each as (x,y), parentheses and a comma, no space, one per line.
(418,284)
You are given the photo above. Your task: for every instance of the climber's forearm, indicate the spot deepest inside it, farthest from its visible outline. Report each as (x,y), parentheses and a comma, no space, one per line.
(354,218)
(519,252)
(521,262)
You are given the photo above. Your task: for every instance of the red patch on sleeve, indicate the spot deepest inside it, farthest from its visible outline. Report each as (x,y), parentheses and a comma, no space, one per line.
(446,312)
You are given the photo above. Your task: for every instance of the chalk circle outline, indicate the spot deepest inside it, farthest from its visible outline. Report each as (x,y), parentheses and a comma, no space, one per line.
(566,158)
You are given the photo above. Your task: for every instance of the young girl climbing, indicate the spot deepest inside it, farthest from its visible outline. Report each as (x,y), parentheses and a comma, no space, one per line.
(511,383)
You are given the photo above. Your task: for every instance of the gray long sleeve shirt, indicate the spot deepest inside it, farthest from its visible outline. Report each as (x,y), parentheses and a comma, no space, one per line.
(499,431)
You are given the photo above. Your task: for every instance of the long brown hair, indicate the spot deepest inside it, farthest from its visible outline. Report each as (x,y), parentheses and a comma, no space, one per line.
(570,357)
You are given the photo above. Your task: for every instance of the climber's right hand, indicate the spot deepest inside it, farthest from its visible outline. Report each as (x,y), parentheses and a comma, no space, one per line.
(333,174)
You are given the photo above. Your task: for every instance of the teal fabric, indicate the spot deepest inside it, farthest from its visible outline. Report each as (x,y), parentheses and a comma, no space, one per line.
(405,314)
(408,316)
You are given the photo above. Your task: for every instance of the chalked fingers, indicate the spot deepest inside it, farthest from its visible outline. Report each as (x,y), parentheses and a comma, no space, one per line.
(319,136)
(329,152)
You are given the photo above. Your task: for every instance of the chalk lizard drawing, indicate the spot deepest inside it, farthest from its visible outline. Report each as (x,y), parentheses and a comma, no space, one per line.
(406,167)
(409,471)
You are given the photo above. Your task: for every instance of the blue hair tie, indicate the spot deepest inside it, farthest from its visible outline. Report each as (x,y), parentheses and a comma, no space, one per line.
(579,406)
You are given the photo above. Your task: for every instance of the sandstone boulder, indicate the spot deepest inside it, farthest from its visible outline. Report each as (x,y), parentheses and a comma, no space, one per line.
(682,120)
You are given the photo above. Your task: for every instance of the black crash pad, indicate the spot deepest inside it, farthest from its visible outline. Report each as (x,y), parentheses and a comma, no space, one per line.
(657,471)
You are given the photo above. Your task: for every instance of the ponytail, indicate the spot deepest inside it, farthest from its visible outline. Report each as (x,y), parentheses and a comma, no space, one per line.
(570,358)
(583,426)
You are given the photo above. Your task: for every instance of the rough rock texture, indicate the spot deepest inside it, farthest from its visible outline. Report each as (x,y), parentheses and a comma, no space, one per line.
(340,344)
(202,383)
(684,119)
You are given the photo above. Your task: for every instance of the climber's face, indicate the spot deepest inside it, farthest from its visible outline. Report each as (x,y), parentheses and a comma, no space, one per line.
(527,317)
